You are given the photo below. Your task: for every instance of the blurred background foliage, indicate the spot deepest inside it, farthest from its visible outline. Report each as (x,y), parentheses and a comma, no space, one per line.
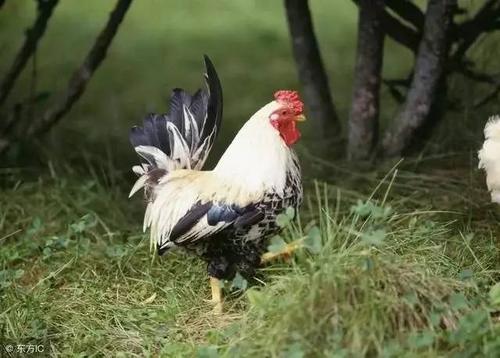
(160,45)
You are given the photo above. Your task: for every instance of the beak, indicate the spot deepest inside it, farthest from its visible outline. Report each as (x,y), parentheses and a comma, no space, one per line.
(300,118)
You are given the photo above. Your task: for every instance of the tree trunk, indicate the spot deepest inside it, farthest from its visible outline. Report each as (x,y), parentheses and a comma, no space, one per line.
(33,35)
(363,119)
(82,75)
(312,74)
(429,67)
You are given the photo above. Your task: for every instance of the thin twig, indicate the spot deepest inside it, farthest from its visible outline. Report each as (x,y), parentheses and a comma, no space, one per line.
(83,74)
(408,11)
(480,76)
(33,35)
(33,88)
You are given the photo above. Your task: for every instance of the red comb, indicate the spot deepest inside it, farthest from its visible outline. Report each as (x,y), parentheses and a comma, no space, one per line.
(290,98)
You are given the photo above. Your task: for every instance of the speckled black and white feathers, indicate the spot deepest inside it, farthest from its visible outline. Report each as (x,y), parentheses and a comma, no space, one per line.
(182,138)
(239,244)
(214,213)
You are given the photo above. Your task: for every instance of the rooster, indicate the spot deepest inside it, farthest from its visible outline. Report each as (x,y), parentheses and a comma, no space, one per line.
(224,215)
(489,157)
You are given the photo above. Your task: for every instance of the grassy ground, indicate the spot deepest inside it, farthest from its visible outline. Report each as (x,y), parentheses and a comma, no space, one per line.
(402,263)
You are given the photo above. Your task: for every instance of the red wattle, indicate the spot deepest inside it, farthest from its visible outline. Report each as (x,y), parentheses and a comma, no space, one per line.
(288,131)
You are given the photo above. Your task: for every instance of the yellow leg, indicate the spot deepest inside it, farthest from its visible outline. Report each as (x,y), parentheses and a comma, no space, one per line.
(285,253)
(216,294)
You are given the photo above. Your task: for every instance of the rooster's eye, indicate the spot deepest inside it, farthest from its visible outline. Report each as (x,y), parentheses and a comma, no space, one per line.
(284,112)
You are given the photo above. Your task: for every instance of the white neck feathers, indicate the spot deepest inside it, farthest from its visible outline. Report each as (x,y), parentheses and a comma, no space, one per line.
(258,157)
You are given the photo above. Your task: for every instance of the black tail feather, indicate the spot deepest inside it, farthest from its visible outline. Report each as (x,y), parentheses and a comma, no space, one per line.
(196,119)
(215,102)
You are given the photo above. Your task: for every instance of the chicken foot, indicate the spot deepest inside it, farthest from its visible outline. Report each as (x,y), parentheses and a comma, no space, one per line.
(287,251)
(216,300)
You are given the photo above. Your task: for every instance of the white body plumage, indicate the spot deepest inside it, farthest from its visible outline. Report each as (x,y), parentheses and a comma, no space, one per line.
(489,157)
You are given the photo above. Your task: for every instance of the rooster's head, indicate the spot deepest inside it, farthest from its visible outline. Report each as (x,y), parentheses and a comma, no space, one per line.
(286,112)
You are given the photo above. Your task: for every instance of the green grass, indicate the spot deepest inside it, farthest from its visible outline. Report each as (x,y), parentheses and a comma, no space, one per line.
(404,268)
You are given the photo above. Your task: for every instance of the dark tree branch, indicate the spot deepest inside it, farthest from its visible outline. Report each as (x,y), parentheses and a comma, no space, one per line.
(408,11)
(429,68)
(398,31)
(33,35)
(403,82)
(486,19)
(395,92)
(310,67)
(82,75)
(493,80)
(363,118)
(486,12)
(466,68)
(398,88)
(493,94)
(9,119)
(401,33)
(480,76)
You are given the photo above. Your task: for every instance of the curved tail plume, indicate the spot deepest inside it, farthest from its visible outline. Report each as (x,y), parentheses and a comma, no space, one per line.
(182,138)
(489,157)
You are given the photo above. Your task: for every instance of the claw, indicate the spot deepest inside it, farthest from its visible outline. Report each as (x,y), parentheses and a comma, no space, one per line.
(285,253)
